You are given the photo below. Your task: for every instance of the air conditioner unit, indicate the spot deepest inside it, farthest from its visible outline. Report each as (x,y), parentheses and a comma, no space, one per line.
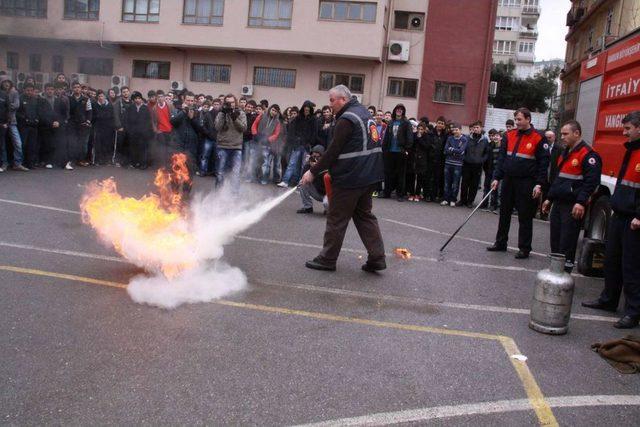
(8,75)
(493,88)
(357,96)
(41,79)
(246,90)
(117,82)
(416,21)
(78,77)
(399,50)
(177,85)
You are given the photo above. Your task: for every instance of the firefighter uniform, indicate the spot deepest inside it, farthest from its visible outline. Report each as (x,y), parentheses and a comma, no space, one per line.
(622,256)
(522,164)
(577,177)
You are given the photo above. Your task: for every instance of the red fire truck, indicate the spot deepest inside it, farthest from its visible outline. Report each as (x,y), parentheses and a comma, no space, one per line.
(609,89)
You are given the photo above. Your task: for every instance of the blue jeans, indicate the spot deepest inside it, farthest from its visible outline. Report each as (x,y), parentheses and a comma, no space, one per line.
(208,148)
(229,160)
(452,175)
(16,141)
(270,161)
(294,168)
(251,158)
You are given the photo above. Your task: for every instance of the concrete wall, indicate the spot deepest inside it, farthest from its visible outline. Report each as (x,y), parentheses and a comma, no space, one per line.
(497,117)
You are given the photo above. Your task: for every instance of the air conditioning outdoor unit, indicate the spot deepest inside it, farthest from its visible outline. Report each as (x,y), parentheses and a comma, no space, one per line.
(246,90)
(399,50)
(493,88)
(117,82)
(41,79)
(416,21)
(78,77)
(8,75)
(177,85)
(357,96)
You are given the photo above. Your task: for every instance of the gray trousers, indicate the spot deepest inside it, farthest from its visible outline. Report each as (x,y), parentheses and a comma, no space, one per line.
(309,193)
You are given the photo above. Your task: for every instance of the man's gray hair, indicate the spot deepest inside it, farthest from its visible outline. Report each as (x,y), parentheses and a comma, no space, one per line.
(342,91)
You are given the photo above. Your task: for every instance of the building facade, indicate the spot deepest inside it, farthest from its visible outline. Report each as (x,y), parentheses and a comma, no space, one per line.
(516,34)
(593,26)
(286,51)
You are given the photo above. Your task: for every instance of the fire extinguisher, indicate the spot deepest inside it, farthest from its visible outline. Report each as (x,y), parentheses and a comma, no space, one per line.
(327,185)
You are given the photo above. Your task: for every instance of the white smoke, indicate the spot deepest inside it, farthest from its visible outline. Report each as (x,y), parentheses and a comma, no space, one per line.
(214,221)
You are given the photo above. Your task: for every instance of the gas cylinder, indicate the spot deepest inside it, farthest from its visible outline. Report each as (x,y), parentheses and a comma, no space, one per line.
(552,297)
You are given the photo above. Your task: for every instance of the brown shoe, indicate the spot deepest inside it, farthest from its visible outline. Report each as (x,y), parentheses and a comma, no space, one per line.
(19,168)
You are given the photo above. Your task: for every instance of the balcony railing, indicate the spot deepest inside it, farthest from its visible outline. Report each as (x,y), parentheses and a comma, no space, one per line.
(525,56)
(528,33)
(531,10)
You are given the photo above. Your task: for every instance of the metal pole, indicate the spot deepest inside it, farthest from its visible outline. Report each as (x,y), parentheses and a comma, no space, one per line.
(467,220)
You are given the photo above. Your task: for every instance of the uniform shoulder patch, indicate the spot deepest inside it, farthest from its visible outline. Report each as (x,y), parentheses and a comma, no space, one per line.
(592,161)
(574,162)
(638,167)
(546,146)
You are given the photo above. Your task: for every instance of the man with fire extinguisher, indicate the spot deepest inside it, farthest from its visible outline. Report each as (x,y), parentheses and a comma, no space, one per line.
(622,254)
(577,177)
(354,161)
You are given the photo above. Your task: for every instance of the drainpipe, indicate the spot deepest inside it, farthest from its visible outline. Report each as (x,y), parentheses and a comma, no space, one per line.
(484,92)
(384,55)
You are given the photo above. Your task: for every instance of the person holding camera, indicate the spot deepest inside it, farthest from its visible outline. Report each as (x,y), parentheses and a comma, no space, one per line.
(185,124)
(316,189)
(231,123)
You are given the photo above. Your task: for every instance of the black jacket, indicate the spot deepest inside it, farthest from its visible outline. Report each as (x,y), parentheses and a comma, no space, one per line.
(404,135)
(565,189)
(303,130)
(103,117)
(325,134)
(626,196)
(530,158)
(4,108)
(209,128)
(28,114)
(78,112)
(478,149)
(138,122)
(555,152)
(59,112)
(423,153)
(438,142)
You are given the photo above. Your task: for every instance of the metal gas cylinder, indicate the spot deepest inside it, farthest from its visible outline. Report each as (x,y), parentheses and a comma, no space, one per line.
(552,297)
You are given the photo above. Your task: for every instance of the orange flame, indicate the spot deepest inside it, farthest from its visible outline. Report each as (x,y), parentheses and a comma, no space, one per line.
(402,253)
(152,231)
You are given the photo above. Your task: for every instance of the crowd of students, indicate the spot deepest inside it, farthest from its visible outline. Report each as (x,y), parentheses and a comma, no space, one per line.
(67,125)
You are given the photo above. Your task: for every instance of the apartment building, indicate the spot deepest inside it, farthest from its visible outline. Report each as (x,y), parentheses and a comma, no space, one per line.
(593,26)
(282,50)
(516,33)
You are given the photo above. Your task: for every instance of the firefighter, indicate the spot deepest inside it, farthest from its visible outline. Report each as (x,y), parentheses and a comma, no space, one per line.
(522,167)
(621,267)
(576,178)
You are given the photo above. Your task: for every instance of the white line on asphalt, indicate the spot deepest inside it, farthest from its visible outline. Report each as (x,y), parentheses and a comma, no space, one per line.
(344,292)
(430,230)
(50,208)
(484,408)
(64,252)
(418,301)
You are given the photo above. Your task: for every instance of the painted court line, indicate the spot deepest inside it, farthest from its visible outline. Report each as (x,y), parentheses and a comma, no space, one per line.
(483,408)
(32,205)
(535,397)
(430,230)
(336,291)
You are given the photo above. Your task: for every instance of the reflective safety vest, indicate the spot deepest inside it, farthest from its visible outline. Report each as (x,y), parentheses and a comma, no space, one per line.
(360,161)
(578,176)
(626,196)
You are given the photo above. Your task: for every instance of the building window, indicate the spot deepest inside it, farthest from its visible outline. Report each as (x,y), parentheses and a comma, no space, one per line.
(151,69)
(526,47)
(211,73)
(270,13)
(81,9)
(406,88)
(204,12)
(508,23)
(57,63)
(590,37)
(13,60)
(408,21)
(340,10)
(141,10)
(275,77)
(95,66)
(355,82)
(35,62)
(449,92)
(504,47)
(28,8)
(609,25)
(509,3)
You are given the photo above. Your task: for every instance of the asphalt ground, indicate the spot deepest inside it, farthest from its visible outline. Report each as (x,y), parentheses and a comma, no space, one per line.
(428,341)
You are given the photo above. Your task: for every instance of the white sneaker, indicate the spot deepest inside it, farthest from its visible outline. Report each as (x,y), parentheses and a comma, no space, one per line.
(444,203)
(452,204)
(49,166)
(282,184)
(68,166)
(1,169)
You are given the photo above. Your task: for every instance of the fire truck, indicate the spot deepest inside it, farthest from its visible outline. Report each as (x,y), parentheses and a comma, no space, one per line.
(609,89)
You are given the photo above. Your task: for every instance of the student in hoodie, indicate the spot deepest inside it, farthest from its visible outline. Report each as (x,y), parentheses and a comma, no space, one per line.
(266,133)
(140,129)
(300,136)
(103,129)
(477,154)
(12,97)
(454,151)
(423,155)
(397,141)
